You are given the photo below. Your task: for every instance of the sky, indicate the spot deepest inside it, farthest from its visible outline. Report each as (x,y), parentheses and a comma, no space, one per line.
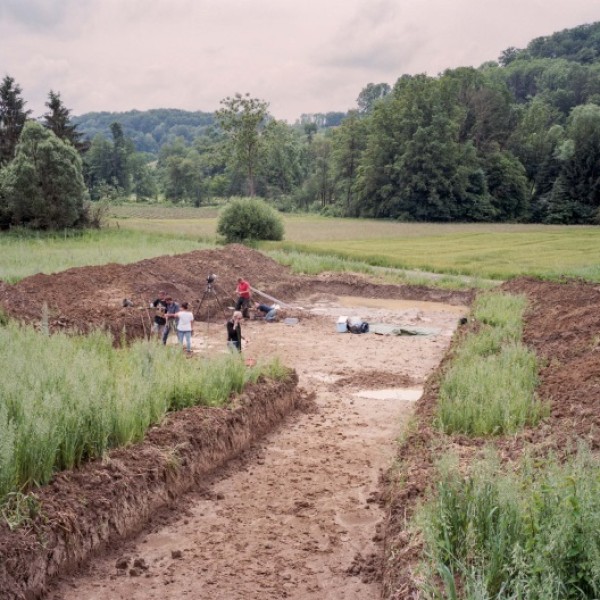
(301,56)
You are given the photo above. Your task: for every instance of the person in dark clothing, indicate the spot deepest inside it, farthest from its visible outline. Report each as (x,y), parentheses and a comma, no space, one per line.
(269,313)
(170,312)
(234,331)
(160,307)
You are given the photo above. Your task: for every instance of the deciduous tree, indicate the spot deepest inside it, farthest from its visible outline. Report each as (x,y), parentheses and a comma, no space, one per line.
(243,119)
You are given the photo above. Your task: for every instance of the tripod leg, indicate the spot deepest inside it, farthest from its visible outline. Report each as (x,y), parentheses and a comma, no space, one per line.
(196,311)
(220,304)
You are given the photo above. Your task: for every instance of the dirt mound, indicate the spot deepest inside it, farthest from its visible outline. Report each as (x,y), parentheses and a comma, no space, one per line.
(86,298)
(562,325)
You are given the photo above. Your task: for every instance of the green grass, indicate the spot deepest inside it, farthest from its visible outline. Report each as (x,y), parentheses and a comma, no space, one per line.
(530,532)
(489,387)
(484,251)
(25,254)
(465,254)
(481,250)
(312,264)
(65,399)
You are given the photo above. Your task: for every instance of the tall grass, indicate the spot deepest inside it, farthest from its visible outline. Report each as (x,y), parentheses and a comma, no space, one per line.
(530,533)
(64,399)
(489,389)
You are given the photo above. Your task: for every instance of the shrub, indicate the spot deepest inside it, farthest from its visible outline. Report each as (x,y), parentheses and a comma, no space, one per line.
(249,219)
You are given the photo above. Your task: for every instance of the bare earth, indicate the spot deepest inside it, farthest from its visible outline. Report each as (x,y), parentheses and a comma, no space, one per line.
(297,517)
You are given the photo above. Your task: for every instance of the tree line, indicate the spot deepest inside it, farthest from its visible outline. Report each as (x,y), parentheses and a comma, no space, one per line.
(515,140)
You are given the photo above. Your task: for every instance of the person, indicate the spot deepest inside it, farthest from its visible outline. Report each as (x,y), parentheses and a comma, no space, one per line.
(268,312)
(234,331)
(160,307)
(185,318)
(171,311)
(243,296)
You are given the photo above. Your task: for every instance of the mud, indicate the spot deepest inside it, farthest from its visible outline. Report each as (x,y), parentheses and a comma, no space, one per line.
(297,514)
(309,509)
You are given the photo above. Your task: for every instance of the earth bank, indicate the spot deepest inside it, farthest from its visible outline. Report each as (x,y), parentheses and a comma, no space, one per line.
(562,325)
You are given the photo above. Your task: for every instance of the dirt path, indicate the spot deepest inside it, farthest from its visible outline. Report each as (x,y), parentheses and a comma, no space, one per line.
(291,519)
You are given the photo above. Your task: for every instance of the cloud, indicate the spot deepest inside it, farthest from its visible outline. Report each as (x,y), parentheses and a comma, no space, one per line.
(39,15)
(313,56)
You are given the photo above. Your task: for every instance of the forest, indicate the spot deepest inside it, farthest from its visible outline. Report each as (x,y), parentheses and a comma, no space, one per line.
(514,140)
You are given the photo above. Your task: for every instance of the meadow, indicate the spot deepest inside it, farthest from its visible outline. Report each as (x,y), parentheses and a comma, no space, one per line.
(460,254)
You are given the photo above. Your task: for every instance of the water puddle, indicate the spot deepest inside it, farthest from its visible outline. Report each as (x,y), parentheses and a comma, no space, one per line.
(410,394)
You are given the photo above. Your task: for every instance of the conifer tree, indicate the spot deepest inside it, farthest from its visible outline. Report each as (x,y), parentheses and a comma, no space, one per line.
(12,118)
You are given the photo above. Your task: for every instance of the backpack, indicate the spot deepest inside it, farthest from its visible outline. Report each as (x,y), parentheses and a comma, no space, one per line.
(358,327)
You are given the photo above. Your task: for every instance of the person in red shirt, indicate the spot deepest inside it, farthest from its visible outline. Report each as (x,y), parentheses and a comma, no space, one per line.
(243,296)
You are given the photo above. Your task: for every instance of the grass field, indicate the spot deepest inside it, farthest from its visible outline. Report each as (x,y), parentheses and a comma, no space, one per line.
(485,251)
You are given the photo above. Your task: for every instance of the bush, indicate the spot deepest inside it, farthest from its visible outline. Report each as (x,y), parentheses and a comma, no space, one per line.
(247,219)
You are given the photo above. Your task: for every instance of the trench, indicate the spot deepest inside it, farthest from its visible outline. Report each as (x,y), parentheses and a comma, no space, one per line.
(298,515)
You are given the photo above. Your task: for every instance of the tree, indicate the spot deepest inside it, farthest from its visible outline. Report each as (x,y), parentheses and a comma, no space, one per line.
(58,120)
(349,141)
(12,118)
(413,165)
(122,151)
(507,183)
(143,176)
(509,55)
(575,196)
(371,94)
(43,186)
(98,167)
(243,119)
(249,219)
(280,168)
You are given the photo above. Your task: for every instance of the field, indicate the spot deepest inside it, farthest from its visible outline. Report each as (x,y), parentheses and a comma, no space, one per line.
(489,251)
(281,493)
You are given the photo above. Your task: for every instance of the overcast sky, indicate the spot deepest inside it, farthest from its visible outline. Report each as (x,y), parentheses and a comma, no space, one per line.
(301,56)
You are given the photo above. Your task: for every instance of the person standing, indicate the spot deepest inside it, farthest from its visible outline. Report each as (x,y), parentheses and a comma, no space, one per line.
(160,307)
(170,316)
(234,331)
(185,318)
(243,296)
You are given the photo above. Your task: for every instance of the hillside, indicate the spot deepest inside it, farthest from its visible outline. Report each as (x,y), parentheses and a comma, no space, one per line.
(148,129)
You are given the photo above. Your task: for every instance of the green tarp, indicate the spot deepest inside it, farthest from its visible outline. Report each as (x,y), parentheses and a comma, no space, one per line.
(390,329)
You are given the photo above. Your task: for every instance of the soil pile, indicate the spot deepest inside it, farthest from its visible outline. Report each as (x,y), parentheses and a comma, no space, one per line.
(86,298)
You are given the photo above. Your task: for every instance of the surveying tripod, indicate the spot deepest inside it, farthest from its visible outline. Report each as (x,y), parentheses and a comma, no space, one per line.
(208,293)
